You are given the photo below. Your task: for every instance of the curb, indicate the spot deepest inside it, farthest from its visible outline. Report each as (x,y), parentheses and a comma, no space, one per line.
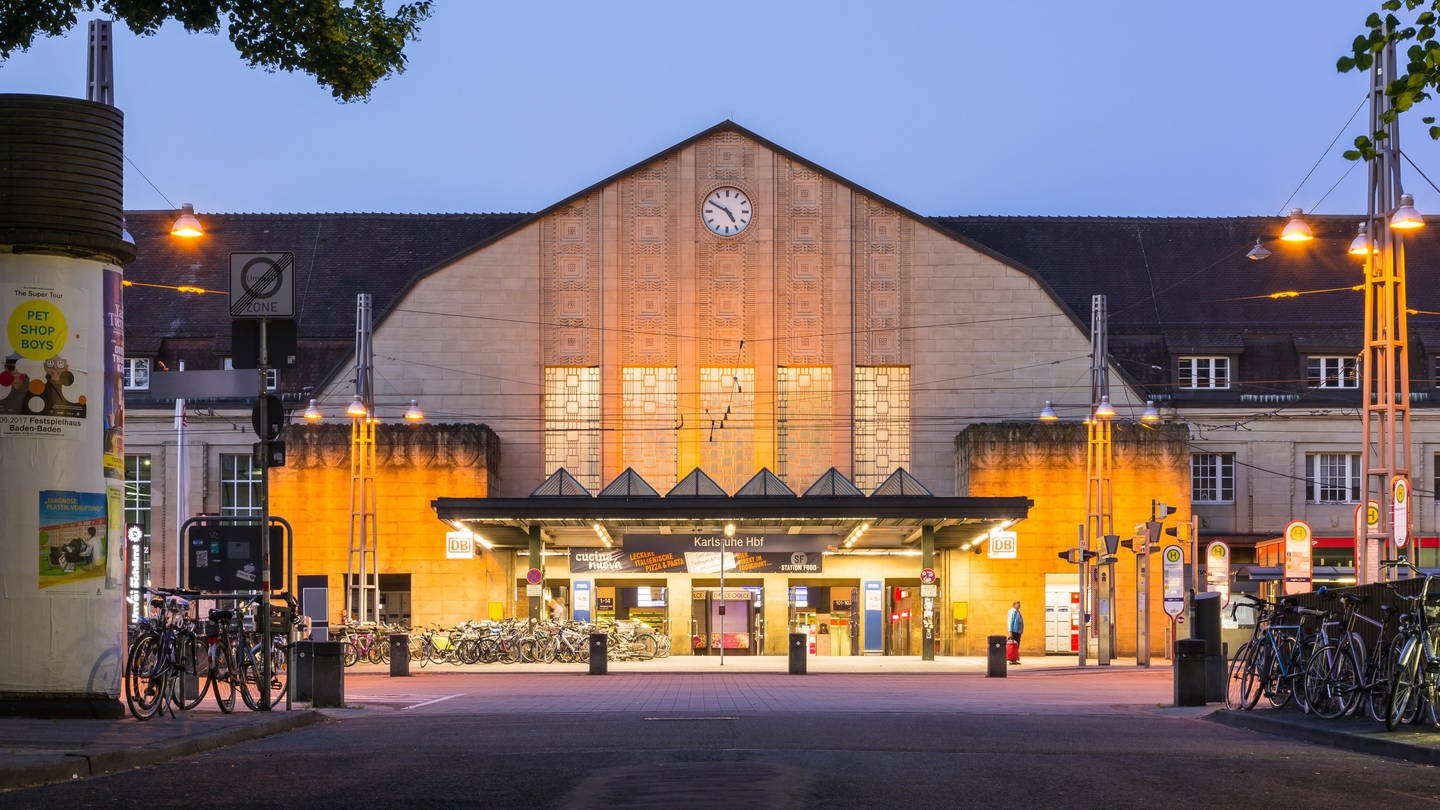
(1412,746)
(83,764)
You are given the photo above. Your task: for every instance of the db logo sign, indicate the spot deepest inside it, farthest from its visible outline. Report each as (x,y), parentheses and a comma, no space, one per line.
(1002,545)
(459,545)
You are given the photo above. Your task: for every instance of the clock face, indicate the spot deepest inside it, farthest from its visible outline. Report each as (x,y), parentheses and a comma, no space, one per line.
(726,211)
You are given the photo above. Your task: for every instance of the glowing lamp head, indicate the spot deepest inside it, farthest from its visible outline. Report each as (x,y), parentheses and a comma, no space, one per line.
(1105,410)
(1406,218)
(413,413)
(312,413)
(1150,414)
(187,226)
(1362,244)
(1047,414)
(357,408)
(1296,230)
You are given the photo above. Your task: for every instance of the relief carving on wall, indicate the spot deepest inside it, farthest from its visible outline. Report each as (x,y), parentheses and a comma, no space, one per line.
(570,292)
(883,244)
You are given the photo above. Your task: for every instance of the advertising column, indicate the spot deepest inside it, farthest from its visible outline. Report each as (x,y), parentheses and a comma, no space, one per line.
(61,487)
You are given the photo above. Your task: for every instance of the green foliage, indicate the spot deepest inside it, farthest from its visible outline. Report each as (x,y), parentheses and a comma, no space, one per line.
(348,47)
(1418,69)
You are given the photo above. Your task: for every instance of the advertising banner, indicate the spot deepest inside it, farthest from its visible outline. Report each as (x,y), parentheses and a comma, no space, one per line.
(73,530)
(46,361)
(1400,500)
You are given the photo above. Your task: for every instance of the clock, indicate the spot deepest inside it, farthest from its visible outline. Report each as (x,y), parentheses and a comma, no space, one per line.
(726,211)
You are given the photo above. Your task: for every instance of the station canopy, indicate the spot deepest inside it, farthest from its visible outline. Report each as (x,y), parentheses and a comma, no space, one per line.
(832,514)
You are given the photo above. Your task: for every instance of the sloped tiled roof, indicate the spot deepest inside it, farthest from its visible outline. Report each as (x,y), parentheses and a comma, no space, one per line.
(336,257)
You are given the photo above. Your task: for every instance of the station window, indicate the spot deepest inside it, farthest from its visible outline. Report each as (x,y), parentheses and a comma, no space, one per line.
(1209,372)
(136,374)
(572,423)
(1332,372)
(882,423)
(1332,478)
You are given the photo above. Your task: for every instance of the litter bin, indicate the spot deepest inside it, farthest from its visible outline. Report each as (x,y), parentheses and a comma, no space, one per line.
(1206,607)
(1190,672)
(399,654)
(304,673)
(799,648)
(328,680)
(599,653)
(995,656)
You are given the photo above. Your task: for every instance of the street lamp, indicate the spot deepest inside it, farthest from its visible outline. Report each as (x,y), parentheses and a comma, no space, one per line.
(1385,400)
(187,225)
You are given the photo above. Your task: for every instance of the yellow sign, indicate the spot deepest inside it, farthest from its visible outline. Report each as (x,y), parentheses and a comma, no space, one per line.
(37,330)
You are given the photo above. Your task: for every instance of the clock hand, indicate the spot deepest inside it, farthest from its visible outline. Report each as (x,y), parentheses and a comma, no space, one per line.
(726,210)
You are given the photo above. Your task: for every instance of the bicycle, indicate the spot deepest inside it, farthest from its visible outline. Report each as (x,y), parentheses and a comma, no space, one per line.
(155,665)
(1414,690)
(1332,675)
(1272,662)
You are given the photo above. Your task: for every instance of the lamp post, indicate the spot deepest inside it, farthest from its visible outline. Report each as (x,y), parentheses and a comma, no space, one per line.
(1385,368)
(1099,496)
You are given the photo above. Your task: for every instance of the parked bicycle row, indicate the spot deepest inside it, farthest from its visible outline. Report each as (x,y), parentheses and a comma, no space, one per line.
(175,661)
(507,641)
(1320,661)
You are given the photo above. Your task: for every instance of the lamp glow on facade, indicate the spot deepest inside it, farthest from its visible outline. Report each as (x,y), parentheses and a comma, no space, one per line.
(1297,229)
(187,225)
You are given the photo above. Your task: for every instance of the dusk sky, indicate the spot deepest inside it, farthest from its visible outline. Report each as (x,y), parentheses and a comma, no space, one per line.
(1114,107)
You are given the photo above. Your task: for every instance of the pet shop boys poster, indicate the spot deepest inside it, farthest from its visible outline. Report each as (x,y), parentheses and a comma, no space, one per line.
(44,376)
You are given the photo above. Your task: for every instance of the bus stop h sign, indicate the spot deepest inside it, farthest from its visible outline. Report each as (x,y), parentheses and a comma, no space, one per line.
(262,285)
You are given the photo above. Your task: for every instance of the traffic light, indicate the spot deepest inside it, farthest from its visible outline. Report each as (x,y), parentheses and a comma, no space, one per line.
(1180,532)
(1159,511)
(1075,556)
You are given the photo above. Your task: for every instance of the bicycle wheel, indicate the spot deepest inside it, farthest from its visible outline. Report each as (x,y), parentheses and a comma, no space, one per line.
(1234,692)
(193,672)
(489,651)
(223,676)
(1285,670)
(545,650)
(373,655)
(645,646)
(249,680)
(1257,674)
(1404,685)
(142,681)
(279,670)
(1329,681)
(438,655)
(352,653)
(384,647)
(1377,690)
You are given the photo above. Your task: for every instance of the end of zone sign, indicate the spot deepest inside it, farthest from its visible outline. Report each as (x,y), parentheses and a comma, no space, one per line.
(262,285)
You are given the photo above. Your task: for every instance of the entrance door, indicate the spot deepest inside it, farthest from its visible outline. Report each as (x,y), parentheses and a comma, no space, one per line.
(1062,614)
(728,619)
(902,630)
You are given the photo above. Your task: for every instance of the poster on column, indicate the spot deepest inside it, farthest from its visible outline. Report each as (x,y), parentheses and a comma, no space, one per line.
(45,371)
(72,542)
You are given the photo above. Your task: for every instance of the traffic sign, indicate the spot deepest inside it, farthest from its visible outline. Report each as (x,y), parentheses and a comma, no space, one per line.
(1173,580)
(927,575)
(534,577)
(262,285)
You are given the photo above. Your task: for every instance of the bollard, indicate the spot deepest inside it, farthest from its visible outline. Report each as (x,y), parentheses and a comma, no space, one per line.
(304,673)
(995,656)
(599,653)
(799,647)
(328,679)
(399,655)
(1189,672)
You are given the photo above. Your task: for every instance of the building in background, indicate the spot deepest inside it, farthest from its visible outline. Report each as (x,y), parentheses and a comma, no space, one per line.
(727,307)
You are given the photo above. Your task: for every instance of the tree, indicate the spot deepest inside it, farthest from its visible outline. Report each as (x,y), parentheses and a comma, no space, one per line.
(1418,68)
(347,48)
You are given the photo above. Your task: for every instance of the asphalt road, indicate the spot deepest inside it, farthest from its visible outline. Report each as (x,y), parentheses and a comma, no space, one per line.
(749,740)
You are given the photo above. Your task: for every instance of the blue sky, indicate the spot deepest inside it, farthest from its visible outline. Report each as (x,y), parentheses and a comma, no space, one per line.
(1113,107)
